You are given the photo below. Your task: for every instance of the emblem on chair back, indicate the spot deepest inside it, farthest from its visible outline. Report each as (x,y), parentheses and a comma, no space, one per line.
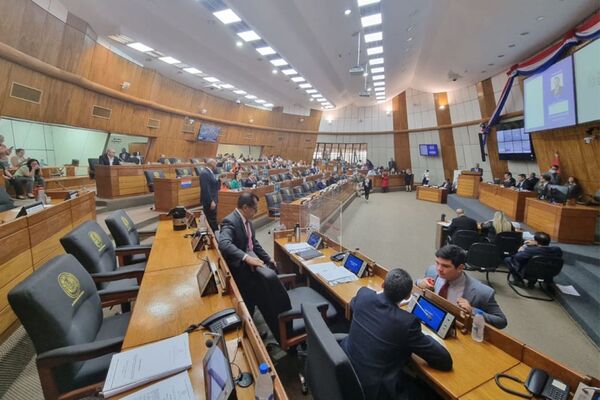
(156,174)
(97,240)
(126,223)
(70,285)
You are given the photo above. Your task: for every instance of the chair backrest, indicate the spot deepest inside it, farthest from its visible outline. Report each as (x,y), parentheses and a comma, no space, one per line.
(484,256)
(58,306)
(298,191)
(289,176)
(273,200)
(183,172)
(150,175)
(92,162)
(465,239)
(92,247)
(287,194)
(329,373)
(283,177)
(122,228)
(508,243)
(6,203)
(275,178)
(275,299)
(306,188)
(173,160)
(312,185)
(543,267)
(198,169)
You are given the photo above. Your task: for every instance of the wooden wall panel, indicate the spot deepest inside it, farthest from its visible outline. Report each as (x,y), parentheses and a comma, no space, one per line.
(401,140)
(487,104)
(442,113)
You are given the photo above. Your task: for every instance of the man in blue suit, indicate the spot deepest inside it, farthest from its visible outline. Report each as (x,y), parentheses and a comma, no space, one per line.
(539,246)
(448,279)
(382,338)
(209,193)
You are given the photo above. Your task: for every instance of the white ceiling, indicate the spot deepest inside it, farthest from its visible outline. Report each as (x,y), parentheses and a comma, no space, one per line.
(460,37)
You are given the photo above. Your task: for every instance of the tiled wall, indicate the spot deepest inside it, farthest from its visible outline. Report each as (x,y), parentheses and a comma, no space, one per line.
(376,118)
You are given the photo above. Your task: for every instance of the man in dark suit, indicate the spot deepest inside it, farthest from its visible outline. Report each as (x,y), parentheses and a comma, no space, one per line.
(209,193)
(521,180)
(109,158)
(124,154)
(382,338)
(448,279)
(539,246)
(509,181)
(543,188)
(461,223)
(477,168)
(530,182)
(241,250)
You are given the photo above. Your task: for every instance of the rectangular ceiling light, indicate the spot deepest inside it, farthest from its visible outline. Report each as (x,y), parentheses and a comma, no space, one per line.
(376,61)
(322,100)
(377,70)
(227,86)
(380,89)
(290,71)
(380,83)
(371,20)
(316,96)
(248,36)
(279,62)
(380,101)
(169,60)
(140,47)
(298,79)
(309,91)
(211,79)
(268,105)
(227,16)
(250,96)
(192,70)
(265,51)
(378,77)
(260,101)
(373,37)
(362,3)
(239,91)
(375,50)
(305,85)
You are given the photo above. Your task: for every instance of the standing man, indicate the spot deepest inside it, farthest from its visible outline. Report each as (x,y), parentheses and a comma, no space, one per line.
(477,168)
(209,192)
(109,158)
(241,250)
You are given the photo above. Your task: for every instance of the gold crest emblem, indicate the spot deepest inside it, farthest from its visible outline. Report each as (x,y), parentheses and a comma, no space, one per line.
(156,174)
(125,222)
(70,285)
(97,240)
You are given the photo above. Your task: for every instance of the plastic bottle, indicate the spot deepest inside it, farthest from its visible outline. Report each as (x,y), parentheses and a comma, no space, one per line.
(478,326)
(263,388)
(297,233)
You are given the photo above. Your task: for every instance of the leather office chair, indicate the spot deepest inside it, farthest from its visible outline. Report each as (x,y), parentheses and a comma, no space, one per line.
(329,373)
(92,162)
(298,191)
(274,201)
(123,230)
(275,178)
(508,243)
(306,188)
(542,270)
(183,172)
(150,175)
(483,257)
(174,160)
(61,310)
(287,194)
(281,307)
(197,170)
(464,239)
(283,177)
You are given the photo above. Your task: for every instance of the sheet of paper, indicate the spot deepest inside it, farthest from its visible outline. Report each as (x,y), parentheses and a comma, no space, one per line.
(297,247)
(177,387)
(318,268)
(144,364)
(568,289)
(338,275)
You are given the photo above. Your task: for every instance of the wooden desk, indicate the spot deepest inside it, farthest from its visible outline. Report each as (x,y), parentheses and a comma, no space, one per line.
(432,194)
(66,182)
(491,391)
(441,235)
(228,201)
(47,172)
(168,193)
(396,181)
(566,224)
(468,184)
(509,201)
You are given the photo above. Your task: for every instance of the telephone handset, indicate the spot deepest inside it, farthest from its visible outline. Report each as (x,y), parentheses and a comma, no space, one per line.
(223,320)
(541,384)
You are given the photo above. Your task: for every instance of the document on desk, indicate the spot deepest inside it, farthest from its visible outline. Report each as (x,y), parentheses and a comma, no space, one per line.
(320,267)
(337,275)
(177,387)
(133,368)
(297,247)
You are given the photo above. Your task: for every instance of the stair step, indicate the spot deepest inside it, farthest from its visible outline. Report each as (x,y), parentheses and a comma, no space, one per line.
(585,310)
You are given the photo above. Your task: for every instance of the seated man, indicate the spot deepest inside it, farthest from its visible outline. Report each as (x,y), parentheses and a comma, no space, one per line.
(539,246)
(543,188)
(530,182)
(124,154)
(448,279)
(509,181)
(382,338)
(109,158)
(461,223)
(521,180)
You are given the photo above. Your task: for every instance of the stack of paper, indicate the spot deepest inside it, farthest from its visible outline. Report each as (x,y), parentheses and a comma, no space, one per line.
(332,273)
(148,363)
(176,387)
(297,247)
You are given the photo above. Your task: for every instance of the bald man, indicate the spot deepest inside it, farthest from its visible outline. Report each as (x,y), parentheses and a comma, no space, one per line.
(209,192)
(461,223)
(109,158)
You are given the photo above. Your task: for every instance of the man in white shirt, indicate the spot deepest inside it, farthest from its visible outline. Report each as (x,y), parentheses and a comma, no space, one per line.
(109,158)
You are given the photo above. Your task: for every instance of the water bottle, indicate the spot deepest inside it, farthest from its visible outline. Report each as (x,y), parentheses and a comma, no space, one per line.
(478,326)
(297,232)
(443,218)
(263,388)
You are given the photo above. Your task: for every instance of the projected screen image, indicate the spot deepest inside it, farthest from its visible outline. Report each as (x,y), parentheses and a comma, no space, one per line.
(587,82)
(430,150)
(550,98)
(209,133)
(431,315)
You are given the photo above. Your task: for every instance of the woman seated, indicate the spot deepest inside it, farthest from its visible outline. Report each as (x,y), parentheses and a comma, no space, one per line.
(25,178)
(500,223)
(235,183)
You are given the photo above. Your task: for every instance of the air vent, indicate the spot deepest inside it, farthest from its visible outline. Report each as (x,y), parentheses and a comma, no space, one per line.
(153,123)
(188,128)
(25,93)
(101,112)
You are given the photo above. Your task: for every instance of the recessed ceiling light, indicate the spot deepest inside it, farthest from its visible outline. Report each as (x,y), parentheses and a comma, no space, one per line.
(265,51)
(371,20)
(239,43)
(227,86)
(510,46)
(169,60)
(239,91)
(348,11)
(260,101)
(227,16)
(248,36)
(367,2)
(268,105)
(309,91)
(375,50)
(278,62)
(317,95)
(311,99)
(540,18)
(524,33)
(376,61)
(377,70)
(274,71)
(373,37)
(305,85)
(380,83)
(380,89)
(140,47)
(378,77)
(211,79)
(298,79)
(250,96)
(290,71)
(192,70)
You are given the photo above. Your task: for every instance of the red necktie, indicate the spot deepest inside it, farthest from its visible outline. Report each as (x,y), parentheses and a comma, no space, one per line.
(249,234)
(444,290)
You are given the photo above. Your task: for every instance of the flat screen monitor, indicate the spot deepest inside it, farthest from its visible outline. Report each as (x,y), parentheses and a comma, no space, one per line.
(550,98)
(354,264)
(587,82)
(208,133)
(314,240)
(514,144)
(428,150)
(218,379)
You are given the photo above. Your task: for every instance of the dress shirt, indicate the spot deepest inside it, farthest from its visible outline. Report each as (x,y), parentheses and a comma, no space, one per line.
(244,220)
(455,287)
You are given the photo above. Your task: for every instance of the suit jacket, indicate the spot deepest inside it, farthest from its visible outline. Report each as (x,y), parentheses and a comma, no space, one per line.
(233,242)
(103,160)
(480,296)
(209,187)
(518,261)
(509,183)
(462,223)
(381,340)
(530,183)
(521,185)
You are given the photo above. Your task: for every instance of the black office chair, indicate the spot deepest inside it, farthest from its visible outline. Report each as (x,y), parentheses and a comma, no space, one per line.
(6,203)
(282,177)
(61,310)
(183,172)
(287,195)
(92,162)
(329,373)
(150,175)
(174,160)
(275,178)
(289,176)
(542,270)
(464,239)
(198,169)
(298,191)
(306,188)
(274,201)
(124,232)
(483,257)
(508,243)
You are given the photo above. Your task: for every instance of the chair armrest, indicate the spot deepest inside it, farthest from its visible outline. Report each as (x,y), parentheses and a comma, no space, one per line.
(340,336)
(296,314)
(118,274)
(288,279)
(111,297)
(79,352)
(133,250)
(146,234)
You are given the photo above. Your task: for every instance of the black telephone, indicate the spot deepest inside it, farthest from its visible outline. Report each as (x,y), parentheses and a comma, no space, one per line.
(338,256)
(223,320)
(541,384)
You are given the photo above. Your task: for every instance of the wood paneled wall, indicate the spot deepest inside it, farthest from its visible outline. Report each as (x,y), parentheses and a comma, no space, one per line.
(401,139)
(448,151)
(67,49)
(487,105)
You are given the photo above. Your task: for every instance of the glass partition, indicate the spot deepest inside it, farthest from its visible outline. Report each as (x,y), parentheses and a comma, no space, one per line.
(128,146)
(237,149)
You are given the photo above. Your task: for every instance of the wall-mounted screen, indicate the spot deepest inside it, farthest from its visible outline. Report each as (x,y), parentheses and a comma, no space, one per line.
(428,150)
(587,82)
(550,98)
(209,133)
(514,144)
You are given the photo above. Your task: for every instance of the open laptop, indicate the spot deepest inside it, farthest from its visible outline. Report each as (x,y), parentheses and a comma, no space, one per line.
(314,241)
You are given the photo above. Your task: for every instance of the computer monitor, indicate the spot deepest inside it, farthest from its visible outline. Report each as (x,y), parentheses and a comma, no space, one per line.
(355,264)
(314,240)
(75,163)
(218,379)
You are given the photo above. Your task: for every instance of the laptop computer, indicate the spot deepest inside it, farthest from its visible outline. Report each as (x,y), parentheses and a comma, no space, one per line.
(314,241)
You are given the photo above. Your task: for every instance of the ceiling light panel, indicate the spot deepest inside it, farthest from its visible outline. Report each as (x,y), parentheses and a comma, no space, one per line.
(260,101)
(309,91)
(140,47)
(227,86)
(378,77)
(279,62)
(265,51)
(170,60)
(380,89)
(298,79)
(362,3)
(211,79)
(376,61)
(290,71)
(248,36)
(375,50)
(373,37)
(377,70)
(371,20)
(305,85)
(227,16)
(316,96)
(380,83)
(239,91)
(250,96)
(192,70)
